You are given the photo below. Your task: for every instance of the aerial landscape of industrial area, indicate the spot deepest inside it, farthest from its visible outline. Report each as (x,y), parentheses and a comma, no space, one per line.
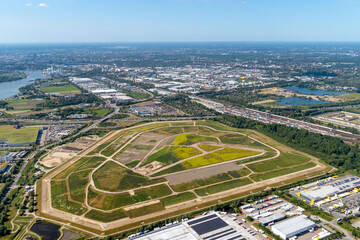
(179,135)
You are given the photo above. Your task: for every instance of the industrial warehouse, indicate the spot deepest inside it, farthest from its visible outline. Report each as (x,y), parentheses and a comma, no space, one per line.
(329,189)
(209,227)
(293,227)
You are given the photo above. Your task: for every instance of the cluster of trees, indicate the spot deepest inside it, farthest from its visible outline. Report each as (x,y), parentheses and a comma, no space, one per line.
(189,107)
(11,76)
(237,97)
(4,104)
(64,112)
(67,101)
(28,201)
(4,209)
(28,175)
(120,116)
(330,149)
(346,223)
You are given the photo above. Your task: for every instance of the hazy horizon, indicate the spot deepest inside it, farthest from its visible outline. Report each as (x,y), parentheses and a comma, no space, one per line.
(123,21)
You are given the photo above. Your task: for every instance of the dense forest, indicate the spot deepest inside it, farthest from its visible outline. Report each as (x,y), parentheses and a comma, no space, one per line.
(67,101)
(332,150)
(11,76)
(191,108)
(236,97)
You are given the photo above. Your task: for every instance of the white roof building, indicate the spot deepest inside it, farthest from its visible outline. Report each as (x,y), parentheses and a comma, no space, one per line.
(103,91)
(209,227)
(293,227)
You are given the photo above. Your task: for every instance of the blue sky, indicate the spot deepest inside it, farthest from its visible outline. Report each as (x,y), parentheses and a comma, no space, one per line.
(23,21)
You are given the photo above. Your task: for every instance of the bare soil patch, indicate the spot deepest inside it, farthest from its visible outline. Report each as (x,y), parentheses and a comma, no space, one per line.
(149,168)
(64,152)
(141,147)
(191,175)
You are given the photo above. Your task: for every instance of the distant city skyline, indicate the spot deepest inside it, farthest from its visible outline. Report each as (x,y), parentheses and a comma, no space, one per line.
(58,21)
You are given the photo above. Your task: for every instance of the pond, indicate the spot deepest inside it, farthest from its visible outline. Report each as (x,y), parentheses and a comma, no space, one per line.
(314,92)
(300,101)
(47,230)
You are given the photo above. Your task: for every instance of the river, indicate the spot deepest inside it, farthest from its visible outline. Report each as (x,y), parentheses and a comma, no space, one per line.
(8,89)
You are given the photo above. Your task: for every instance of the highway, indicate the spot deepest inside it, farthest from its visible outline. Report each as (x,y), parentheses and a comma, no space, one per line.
(269,118)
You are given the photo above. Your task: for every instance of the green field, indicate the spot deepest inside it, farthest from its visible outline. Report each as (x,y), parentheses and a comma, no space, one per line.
(178,198)
(133,164)
(23,104)
(239,173)
(285,160)
(137,95)
(208,148)
(77,183)
(63,89)
(109,201)
(350,97)
(17,136)
(152,193)
(58,188)
(201,182)
(172,154)
(137,212)
(81,164)
(276,173)
(223,186)
(63,203)
(113,177)
(225,154)
(189,139)
(235,139)
(106,216)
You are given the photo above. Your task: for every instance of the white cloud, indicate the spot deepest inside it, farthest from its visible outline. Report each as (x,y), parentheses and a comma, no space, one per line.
(244,2)
(43,5)
(28,5)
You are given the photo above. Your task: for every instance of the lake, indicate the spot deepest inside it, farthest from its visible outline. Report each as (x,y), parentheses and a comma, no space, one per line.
(314,92)
(8,89)
(300,101)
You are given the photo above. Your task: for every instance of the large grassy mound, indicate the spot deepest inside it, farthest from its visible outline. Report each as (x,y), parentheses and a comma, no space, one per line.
(113,177)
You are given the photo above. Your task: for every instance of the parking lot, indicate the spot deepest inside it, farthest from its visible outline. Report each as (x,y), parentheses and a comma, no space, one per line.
(272,207)
(342,198)
(344,206)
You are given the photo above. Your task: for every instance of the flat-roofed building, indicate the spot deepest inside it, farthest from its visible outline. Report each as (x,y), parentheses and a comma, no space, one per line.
(332,188)
(272,218)
(293,227)
(208,227)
